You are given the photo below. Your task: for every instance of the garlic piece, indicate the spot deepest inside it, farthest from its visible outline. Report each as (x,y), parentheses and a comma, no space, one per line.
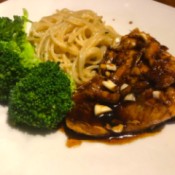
(117,128)
(108,66)
(100,109)
(156,94)
(111,67)
(123,86)
(130,97)
(109,84)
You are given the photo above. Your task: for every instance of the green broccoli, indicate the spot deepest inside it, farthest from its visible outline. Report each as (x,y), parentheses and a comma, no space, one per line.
(42,98)
(12,29)
(11,70)
(17,55)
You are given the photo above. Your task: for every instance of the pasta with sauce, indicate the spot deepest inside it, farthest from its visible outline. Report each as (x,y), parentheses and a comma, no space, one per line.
(76,39)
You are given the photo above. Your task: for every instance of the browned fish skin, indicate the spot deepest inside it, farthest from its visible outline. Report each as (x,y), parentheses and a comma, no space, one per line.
(142,94)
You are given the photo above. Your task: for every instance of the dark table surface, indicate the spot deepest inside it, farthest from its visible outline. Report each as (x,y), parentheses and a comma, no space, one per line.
(168,2)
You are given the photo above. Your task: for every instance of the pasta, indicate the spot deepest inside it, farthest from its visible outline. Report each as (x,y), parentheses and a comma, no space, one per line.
(76,39)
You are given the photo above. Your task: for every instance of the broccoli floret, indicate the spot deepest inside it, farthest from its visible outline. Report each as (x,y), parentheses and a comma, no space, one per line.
(15,30)
(12,29)
(11,70)
(17,55)
(42,98)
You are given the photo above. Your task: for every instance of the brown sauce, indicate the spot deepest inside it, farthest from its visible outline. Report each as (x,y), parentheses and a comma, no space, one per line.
(142,100)
(74,139)
(74,142)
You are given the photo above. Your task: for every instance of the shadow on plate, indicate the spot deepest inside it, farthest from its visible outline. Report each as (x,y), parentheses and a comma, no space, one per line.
(31,130)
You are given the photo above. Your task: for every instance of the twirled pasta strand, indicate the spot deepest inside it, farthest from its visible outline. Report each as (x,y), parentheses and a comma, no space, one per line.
(76,39)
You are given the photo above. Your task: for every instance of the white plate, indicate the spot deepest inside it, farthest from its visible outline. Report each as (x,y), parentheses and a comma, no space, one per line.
(22,153)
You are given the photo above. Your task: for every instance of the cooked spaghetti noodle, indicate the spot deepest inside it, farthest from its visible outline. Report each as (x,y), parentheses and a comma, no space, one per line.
(77,39)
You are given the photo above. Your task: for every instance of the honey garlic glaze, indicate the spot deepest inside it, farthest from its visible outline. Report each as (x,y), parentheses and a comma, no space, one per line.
(134,91)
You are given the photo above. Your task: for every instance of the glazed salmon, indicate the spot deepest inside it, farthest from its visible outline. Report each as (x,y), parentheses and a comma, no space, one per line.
(133,91)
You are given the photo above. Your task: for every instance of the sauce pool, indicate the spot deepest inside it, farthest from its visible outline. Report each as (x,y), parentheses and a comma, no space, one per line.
(77,140)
